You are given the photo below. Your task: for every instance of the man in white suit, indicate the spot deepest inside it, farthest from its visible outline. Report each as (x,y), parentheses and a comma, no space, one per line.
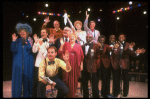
(92,30)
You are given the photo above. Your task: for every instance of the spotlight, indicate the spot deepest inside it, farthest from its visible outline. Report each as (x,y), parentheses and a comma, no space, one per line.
(144,12)
(130,2)
(89,9)
(34,19)
(118,18)
(46,5)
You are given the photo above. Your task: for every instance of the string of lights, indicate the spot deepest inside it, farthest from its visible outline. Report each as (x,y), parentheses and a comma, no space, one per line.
(129,7)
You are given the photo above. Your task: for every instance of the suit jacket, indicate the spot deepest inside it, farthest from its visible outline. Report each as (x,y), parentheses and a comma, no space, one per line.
(88,60)
(104,56)
(124,59)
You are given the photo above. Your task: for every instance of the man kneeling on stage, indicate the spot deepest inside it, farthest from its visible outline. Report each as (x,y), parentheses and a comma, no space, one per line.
(49,67)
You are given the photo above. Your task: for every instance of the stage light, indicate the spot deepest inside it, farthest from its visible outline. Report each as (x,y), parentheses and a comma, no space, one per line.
(125,9)
(118,18)
(79,11)
(130,2)
(131,7)
(89,9)
(98,20)
(144,12)
(100,10)
(139,5)
(122,9)
(46,5)
(68,15)
(27,16)
(113,11)
(34,19)
(128,8)
(39,12)
(118,10)
(54,14)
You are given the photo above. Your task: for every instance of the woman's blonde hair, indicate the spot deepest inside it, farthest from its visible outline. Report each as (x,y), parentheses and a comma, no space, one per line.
(78,22)
(73,34)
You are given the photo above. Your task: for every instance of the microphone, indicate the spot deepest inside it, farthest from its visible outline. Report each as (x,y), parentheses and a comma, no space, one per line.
(23,41)
(92,52)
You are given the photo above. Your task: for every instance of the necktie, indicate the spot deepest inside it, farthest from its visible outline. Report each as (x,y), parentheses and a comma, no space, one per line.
(88,44)
(66,39)
(51,62)
(44,40)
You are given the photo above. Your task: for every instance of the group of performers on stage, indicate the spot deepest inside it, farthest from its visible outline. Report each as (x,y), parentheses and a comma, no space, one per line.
(67,55)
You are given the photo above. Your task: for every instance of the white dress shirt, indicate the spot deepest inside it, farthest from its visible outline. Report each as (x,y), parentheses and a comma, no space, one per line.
(42,51)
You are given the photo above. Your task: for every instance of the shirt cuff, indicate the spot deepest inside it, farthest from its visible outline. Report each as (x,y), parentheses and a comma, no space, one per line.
(137,54)
(86,20)
(131,49)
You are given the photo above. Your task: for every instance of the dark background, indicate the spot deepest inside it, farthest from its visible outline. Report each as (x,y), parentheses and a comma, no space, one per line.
(132,22)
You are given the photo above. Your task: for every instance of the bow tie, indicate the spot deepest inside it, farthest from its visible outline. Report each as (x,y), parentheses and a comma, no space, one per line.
(51,62)
(44,40)
(88,44)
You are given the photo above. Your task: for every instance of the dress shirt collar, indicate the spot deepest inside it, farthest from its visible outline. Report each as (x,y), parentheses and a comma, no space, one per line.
(67,39)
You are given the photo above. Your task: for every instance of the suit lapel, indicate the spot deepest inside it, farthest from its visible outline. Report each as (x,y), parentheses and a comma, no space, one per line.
(89,51)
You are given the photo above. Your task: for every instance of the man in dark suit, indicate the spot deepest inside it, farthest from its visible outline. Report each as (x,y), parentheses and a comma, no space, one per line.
(121,60)
(90,67)
(104,53)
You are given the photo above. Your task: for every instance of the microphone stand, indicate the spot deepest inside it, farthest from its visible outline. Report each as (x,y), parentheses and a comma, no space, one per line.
(92,54)
(121,93)
(23,43)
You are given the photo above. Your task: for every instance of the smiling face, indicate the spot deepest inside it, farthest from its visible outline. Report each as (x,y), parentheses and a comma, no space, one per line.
(44,34)
(72,38)
(78,26)
(56,24)
(112,39)
(102,40)
(23,33)
(51,53)
(121,38)
(88,38)
(92,25)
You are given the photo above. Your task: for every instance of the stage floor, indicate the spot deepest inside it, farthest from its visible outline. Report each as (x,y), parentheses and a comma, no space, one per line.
(136,90)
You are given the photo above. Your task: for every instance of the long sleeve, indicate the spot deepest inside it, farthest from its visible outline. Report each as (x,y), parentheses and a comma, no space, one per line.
(42,68)
(86,25)
(44,25)
(14,46)
(70,23)
(35,48)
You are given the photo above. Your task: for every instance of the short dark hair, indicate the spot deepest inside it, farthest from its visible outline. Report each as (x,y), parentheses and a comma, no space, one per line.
(45,29)
(101,36)
(122,34)
(52,47)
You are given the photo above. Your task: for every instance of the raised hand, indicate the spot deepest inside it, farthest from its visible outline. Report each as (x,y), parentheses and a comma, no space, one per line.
(35,38)
(47,19)
(40,42)
(66,56)
(116,45)
(87,16)
(139,51)
(61,41)
(132,44)
(14,37)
